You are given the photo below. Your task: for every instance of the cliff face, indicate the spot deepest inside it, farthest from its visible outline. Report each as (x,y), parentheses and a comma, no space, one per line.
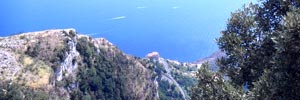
(60,64)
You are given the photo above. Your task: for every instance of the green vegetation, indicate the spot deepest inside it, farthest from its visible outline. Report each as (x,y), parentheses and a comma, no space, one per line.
(168,91)
(159,68)
(33,51)
(95,75)
(180,74)
(185,81)
(51,53)
(100,76)
(103,72)
(12,91)
(212,86)
(70,34)
(262,47)
(261,42)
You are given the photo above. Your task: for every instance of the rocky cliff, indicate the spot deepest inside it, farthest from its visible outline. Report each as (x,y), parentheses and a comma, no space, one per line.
(61,64)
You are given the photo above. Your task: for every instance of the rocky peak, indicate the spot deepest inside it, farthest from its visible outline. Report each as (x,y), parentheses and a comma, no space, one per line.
(60,62)
(153,55)
(212,60)
(213,57)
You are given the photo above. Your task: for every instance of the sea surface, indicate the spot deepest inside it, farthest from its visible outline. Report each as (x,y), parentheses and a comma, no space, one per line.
(183,30)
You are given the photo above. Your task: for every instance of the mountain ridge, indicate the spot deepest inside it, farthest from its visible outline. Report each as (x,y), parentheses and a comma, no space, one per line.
(62,64)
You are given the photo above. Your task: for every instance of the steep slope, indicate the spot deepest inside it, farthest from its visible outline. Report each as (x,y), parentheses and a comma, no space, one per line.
(212,59)
(174,78)
(169,77)
(60,64)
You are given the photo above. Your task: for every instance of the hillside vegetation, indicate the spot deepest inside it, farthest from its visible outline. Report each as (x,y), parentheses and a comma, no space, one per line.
(262,44)
(62,64)
(259,59)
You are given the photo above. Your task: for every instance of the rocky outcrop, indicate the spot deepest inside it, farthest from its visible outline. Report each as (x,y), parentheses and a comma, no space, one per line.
(68,65)
(153,55)
(61,64)
(9,66)
(212,60)
(49,62)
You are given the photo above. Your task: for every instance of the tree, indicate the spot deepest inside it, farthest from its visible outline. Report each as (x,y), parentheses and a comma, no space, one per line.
(213,86)
(247,40)
(262,44)
(282,80)
(10,91)
(240,42)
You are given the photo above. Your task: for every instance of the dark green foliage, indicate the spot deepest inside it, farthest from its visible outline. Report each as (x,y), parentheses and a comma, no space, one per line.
(239,42)
(13,91)
(262,47)
(33,51)
(212,86)
(282,80)
(288,56)
(247,40)
(97,78)
(271,12)
(57,55)
(184,81)
(22,37)
(168,91)
(70,34)
(61,53)
(10,92)
(159,69)
(60,56)
(94,76)
(31,94)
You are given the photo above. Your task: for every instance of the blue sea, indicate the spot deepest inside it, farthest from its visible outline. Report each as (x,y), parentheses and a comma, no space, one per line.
(183,30)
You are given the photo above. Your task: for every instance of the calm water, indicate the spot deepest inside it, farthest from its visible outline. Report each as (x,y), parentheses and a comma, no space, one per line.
(184,30)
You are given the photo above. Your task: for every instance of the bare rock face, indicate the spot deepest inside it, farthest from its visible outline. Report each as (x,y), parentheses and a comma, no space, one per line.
(19,52)
(153,55)
(9,66)
(68,66)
